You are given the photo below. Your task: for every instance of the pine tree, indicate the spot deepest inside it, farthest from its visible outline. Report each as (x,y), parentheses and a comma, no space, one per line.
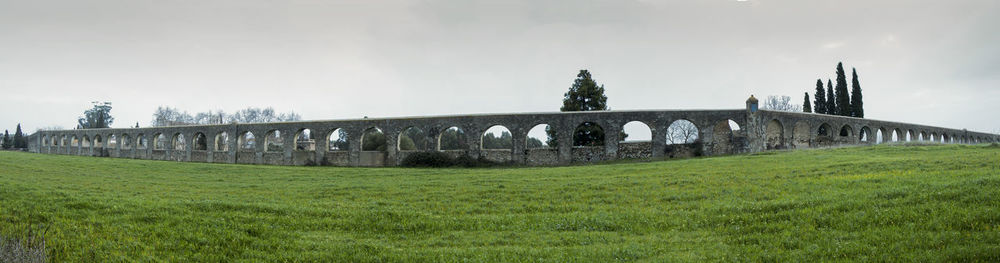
(843,98)
(805,104)
(820,97)
(583,95)
(19,140)
(6,143)
(857,106)
(831,100)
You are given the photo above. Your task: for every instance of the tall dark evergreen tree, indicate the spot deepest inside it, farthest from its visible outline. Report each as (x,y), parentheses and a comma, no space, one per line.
(805,104)
(831,100)
(583,95)
(843,98)
(19,140)
(857,105)
(7,142)
(820,97)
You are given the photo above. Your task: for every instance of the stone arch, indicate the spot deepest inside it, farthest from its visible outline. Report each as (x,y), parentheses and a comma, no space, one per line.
(273,141)
(141,142)
(497,137)
(865,134)
(63,140)
(910,135)
(159,141)
(682,131)
(373,140)
(945,138)
(588,134)
(304,140)
(178,143)
(221,142)
(636,131)
(880,136)
(76,142)
(199,142)
(934,137)
(45,140)
(98,141)
(824,130)
(846,131)
(538,136)
(247,141)
(126,141)
(112,141)
(413,139)
(897,135)
(722,137)
(338,140)
(451,139)
(775,134)
(923,136)
(801,135)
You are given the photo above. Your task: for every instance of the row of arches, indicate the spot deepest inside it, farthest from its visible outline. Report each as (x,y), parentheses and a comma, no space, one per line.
(496,137)
(826,134)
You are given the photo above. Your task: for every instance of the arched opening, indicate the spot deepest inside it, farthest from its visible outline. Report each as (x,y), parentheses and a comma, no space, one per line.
(179,143)
(126,142)
(880,136)
(98,141)
(846,131)
(682,132)
(45,140)
(62,140)
(824,130)
(497,137)
(775,135)
(273,141)
(945,138)
(222,142)
(922,136)
(934,137)
(199,142)
(159,141)
(800,134)
(304,140)
(637,131)
(541,136)
(413,139)
(722,137)
(141,142)
(910,135)
(247,141)
(897,135)
(76,142)
(337,141)
(452,138)
(588,134)
(373,140)
(112,141)
(865,134)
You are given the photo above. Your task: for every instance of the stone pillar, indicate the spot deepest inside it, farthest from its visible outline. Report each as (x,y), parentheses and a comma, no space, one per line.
(612,132)
(391,145)
(565,140)
(322,139)
(658,138)
(519,144)
(756,129)
(288,146)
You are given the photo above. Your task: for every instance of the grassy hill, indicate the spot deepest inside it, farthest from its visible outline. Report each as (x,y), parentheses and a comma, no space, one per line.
(895,203)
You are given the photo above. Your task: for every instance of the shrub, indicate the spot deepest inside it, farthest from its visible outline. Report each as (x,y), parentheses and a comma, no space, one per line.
(428,159)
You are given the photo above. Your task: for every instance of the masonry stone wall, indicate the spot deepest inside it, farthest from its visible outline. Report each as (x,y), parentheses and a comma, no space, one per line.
(759,130)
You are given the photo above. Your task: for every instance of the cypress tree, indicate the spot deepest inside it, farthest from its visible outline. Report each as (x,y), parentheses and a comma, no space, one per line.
(805,104)
(6,142)
(843,98)
(19,140)
(820,97)
(857,106)
(831,100)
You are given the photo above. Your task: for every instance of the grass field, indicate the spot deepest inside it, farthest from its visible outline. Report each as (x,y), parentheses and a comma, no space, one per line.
(882,203)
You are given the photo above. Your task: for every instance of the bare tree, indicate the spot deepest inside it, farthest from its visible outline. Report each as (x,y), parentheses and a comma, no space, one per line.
(782,103)
(682,132)
(167,116)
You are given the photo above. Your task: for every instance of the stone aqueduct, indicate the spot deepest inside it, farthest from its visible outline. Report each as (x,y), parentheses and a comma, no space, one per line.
(759,130)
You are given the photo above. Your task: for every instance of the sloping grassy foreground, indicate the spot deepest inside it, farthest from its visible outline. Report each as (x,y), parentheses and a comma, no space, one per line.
(905,203)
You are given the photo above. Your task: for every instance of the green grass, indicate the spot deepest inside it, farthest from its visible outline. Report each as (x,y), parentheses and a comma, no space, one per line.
(882,203)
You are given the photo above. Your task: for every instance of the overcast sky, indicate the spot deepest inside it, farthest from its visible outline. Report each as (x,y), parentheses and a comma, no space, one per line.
(928,62)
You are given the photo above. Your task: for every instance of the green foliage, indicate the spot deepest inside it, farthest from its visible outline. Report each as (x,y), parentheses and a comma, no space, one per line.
(843,98)
(857,106)
(505,141)
(453,139)
(536,143)
(373,140)
(820,98)
(7,142)
(19,140)
(341,142)
(441,159)
(588,134)
(97,117)
(805,104)
(414,139)
(880,203)
(831,99)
